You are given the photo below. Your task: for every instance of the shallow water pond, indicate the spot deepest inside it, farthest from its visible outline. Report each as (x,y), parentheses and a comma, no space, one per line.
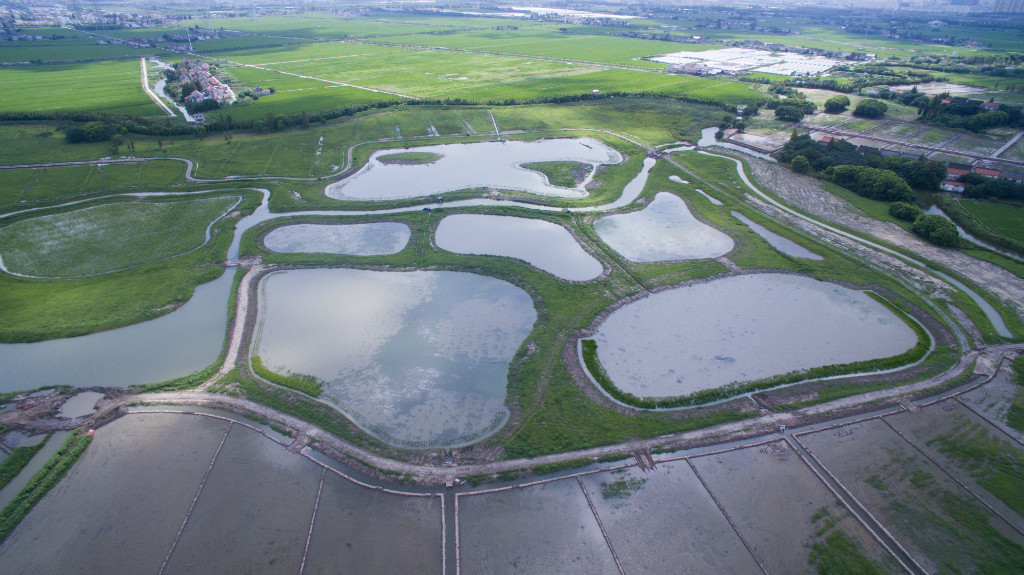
(540,243)
(347,239)
(740,328)
(784,245)
(177,344)
(477,165)
(81,404)
(663,231)
(418,359)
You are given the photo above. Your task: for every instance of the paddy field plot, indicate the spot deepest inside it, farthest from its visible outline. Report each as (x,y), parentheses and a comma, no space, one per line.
(666,522)
(983,144)
(781,508)
(940,523)
(530,530)
(542,244)
(350,239)
(996,400)
(971,450)
(111,87)
(109,237)
(665,230)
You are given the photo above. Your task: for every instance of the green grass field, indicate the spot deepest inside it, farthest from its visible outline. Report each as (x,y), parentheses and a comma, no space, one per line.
(108,237)
(111,87)
(29,187)
(1003,219)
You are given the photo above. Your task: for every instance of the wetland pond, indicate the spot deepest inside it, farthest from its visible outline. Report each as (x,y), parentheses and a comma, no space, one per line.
(783,244)
(478,165)
(418,359)
(663,231)
(540,243)
(374,239)
(741,328)
(177,344)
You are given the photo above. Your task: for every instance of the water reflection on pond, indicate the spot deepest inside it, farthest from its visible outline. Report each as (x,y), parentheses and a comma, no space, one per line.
(347,239)
(742,328)
(543,244)
(663,231)
(476,165)
(418,359)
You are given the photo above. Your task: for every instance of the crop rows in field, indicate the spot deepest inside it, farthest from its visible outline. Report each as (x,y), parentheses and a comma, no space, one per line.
(108,237)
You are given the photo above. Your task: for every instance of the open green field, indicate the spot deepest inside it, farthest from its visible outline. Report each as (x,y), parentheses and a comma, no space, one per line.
(74,47)
(31,186)
(112,87)
(1003,219)
(108,237)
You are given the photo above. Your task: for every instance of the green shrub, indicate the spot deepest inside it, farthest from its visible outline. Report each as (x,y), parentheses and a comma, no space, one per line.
(905,211)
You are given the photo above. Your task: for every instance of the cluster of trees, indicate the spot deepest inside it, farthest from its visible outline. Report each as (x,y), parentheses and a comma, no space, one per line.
(904,211)
(920,173)
(792,109)
(871,183)
(969,115)
(837,104)
(937,230)
(978,186)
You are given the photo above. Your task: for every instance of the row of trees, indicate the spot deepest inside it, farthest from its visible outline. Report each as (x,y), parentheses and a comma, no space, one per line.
(918,173)
(873,183)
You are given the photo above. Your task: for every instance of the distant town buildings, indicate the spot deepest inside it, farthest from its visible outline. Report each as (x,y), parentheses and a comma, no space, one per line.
(209,87)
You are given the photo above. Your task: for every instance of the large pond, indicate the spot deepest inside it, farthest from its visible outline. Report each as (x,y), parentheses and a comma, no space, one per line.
(478,165)
(418,359)
(540,243)
(177,344)
(348,239)
(743,328)
(663,231)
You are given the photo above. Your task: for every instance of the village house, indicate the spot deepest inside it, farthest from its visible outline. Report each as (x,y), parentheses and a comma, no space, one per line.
(950,186)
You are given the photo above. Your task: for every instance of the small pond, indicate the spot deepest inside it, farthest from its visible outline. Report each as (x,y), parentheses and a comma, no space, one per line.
(714,201)
(347,239)
(80,404)
(477,165)
(540,243)
(418,359)
(177,344)
(741,328)
(784,245)
(665,230)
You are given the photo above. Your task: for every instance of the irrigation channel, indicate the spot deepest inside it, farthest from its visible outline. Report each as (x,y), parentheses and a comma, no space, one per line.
(469,528)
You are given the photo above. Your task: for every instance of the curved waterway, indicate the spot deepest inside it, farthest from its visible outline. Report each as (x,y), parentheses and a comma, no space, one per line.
(743,328)
(177,344)
(418,359)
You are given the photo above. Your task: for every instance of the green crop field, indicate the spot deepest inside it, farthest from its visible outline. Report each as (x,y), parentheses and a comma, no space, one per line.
(30,186)
(108,237)
(1003,219)
(112,87)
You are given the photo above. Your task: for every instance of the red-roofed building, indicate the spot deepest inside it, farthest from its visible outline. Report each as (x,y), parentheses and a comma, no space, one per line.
(950,186)
(987,172)
(955,173)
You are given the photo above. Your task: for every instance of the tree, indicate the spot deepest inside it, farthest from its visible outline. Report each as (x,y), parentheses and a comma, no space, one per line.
(937,230)
(837,104)
(905,211)
(870,109)
(801,165)
(789,113)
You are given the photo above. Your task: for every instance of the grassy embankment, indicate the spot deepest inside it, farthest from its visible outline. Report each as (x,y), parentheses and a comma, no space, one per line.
(51,472)
(17,461)
(563,174)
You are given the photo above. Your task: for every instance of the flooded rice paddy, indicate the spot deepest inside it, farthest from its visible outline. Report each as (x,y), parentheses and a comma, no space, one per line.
(177,344)
(741,328)
(495,165)
(418,359)
(665,230)
(347,239)
(784,245)
(542,244)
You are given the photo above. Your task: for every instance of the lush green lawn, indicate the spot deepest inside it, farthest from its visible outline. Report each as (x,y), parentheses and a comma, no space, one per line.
(1003,219)
(31,186)
(108,237)
(112,87)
